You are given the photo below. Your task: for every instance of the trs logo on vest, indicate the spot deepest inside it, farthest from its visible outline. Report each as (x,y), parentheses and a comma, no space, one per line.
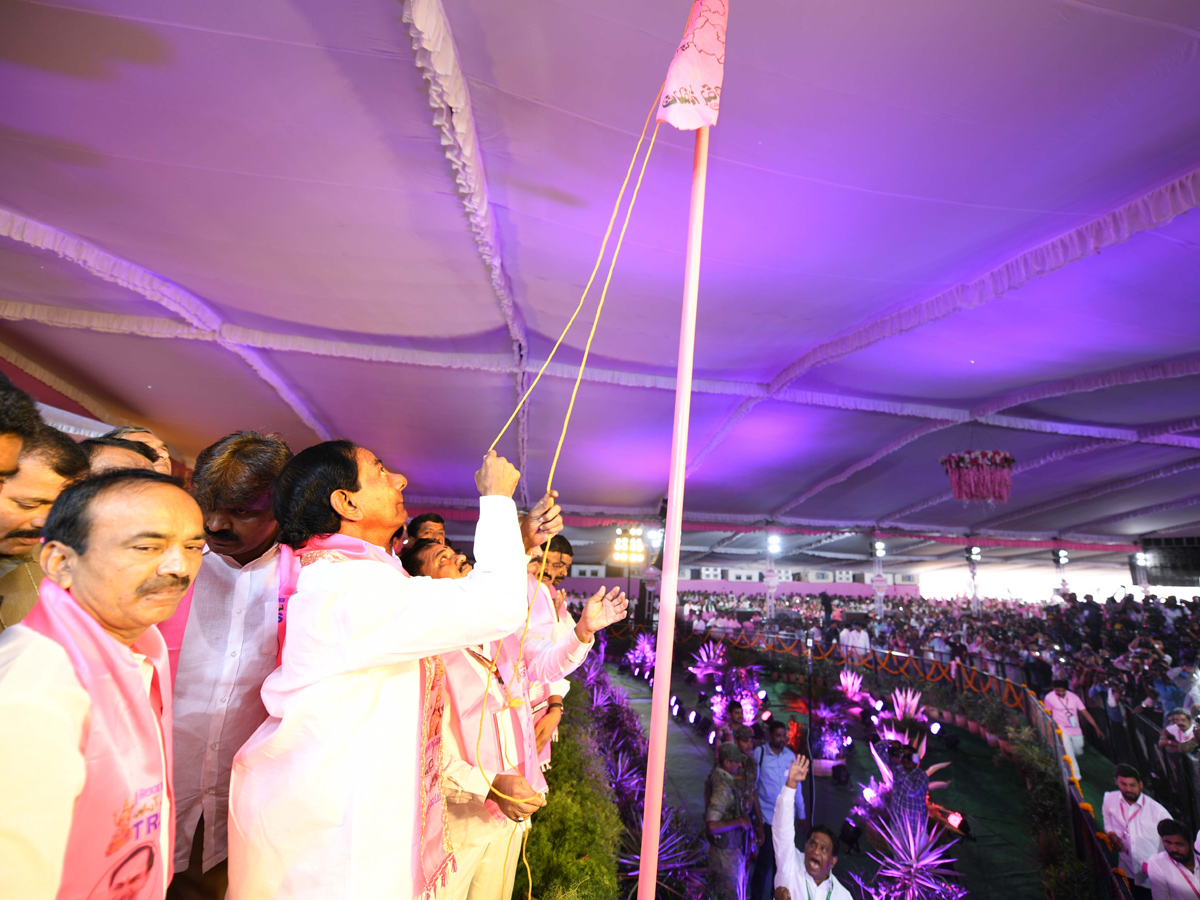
(138,817)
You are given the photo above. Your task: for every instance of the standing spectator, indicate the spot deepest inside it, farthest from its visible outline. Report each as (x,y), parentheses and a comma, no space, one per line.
(747,785)
(1066,707)
(1180,734)
(225,644)
(774,760)
(812,871)
(910,786)
(1172,874)
(50,460)
(726,823)
(1131,819)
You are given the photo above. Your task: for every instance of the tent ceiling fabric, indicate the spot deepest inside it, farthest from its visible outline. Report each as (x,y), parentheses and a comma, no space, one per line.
(930,227)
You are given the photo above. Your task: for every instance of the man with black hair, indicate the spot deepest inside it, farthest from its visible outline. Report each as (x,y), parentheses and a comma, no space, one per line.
(774,761)
(19,421)
(726,823)
(1065,707)
(558,560)
(427,525)
(338,793)
(85,701)
(910,785)
(490,759)
(107,454)
(49,461)
(1131,818)
(161,456)
(807,876)
(1173,873)
(225,644)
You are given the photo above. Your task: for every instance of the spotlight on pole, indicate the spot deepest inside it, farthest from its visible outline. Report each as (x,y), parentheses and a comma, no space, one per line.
(974,554)
(774,544)
(880,549)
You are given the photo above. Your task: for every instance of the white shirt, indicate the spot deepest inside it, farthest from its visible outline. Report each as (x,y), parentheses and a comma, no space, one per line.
(325,796)
(229,647)
(43,712)
(1136,825)
(790,872)
(1169,880)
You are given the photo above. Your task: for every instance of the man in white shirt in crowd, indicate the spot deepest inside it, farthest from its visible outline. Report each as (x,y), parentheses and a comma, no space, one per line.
(229,646)
(774,760)
(50,460)
(338,793)
(492,777)
(1131,819)
(85,702)
(1066,708)
(807,876)
(1173,873)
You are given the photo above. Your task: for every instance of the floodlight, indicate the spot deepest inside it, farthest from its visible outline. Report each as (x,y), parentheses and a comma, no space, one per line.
(955,819)
(935,728)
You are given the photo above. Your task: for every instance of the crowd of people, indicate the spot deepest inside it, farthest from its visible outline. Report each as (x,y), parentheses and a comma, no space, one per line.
(264,685)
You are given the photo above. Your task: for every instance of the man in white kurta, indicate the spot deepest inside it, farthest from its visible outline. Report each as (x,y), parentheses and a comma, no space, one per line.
(1131,819)
(326,796)
(807,875)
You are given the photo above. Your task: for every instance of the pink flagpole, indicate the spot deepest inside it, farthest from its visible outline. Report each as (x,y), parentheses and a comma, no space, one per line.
(659,712)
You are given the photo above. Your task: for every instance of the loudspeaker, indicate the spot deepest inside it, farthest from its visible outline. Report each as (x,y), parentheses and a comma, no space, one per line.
(1171,561)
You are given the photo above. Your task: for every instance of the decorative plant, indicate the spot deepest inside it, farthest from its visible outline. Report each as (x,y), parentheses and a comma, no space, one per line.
(711,660)
(642,653)
(913,865)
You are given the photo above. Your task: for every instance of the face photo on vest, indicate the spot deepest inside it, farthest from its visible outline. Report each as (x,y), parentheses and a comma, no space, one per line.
(132,877)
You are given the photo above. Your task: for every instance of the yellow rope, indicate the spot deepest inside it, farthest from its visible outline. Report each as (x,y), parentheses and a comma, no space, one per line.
(596,268)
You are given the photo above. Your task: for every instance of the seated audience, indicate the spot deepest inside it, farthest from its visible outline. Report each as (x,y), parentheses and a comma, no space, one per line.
(85,700)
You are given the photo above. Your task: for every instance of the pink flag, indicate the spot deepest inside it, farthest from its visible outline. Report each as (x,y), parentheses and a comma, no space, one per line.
(692,95)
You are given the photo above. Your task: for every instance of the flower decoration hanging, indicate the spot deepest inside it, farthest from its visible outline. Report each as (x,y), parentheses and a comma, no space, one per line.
(983,476)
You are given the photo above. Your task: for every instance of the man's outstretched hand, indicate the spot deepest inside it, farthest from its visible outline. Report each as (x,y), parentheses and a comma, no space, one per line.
(497,477)
(599,612)
(798,771)
(542,522)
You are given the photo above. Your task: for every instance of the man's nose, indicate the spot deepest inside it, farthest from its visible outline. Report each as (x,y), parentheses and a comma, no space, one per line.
(216,521)
(174,562)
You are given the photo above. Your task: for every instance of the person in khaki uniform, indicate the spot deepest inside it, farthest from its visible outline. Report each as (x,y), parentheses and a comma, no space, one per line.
(49,462)
(727,823)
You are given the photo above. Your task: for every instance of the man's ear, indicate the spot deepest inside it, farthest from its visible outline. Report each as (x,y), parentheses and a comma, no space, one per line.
(58,561)
(343,504)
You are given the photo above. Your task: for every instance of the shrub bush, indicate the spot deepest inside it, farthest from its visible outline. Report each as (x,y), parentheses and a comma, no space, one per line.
(572,849)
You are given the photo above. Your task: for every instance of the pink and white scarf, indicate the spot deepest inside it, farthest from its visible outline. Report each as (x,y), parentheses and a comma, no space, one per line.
(437,853)
(116,826)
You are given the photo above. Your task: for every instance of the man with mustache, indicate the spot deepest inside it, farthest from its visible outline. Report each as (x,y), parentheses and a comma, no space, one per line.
(491,773)
(338,793)
(227,644)
(1131,818)
(85,699)
(49,461)
(1173,873)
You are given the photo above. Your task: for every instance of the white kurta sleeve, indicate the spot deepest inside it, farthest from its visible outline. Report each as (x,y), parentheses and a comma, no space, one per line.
(789,865)
(42,718)
(387,618)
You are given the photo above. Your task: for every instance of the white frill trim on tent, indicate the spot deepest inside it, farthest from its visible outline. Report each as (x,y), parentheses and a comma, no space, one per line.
(153,287)
(1149,211)
(437,58)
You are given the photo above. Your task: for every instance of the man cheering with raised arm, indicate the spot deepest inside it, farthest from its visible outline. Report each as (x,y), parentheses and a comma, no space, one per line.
(809,876)
(337,794)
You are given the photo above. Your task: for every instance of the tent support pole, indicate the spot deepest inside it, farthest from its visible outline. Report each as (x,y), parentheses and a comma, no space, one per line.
(659,712)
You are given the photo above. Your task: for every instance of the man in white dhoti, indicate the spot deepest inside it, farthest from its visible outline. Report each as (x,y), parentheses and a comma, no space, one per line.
(337,795)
